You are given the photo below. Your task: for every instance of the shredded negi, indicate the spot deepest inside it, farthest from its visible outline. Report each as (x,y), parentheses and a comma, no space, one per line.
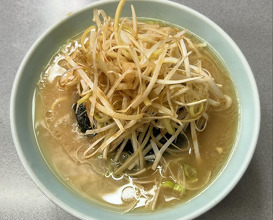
(138,86)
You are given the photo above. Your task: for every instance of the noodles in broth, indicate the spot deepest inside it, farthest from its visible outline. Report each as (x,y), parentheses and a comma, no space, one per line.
(136,115)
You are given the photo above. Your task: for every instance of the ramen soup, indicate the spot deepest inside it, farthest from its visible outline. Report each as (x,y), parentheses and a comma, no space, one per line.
(136,115)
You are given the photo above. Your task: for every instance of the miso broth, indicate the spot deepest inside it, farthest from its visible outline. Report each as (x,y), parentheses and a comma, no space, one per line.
(60,140)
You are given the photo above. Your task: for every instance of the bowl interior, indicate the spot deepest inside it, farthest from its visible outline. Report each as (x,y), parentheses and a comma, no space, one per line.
(40,54)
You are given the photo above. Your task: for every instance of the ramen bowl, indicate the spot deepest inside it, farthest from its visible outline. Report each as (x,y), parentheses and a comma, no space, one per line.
(22,109)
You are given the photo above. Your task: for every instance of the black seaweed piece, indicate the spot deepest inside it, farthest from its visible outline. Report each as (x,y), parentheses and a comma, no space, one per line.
(181,109)
(150,152)
(156,131)
(82,118)
(180,141)
(128,147)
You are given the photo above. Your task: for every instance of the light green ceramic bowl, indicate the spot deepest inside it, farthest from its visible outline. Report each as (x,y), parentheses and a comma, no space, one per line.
(43,49)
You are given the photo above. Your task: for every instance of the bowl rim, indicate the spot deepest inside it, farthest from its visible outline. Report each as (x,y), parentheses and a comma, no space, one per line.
(197,212)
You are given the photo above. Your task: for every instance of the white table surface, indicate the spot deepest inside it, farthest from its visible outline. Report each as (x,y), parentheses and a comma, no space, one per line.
(248,22)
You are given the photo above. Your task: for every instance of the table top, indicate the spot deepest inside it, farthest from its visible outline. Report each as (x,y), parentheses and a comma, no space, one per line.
(248,22)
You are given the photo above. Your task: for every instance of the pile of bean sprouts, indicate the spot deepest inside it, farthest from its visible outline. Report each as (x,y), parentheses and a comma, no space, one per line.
(134,77)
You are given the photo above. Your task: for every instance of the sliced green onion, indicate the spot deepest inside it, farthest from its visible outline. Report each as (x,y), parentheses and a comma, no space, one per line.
(190,172)
(168,184)
(171,185)
(178,188)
